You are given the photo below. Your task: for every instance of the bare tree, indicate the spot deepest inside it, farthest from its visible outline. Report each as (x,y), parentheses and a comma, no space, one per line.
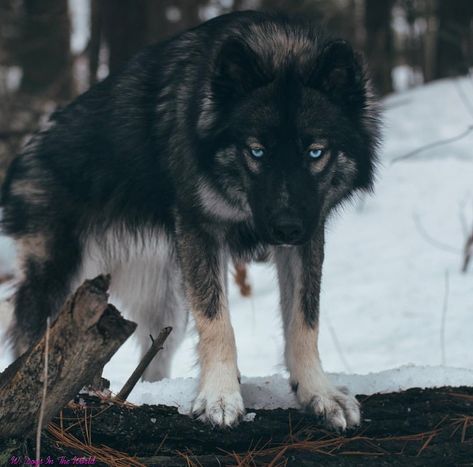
(45,55)
(379,46)
(128,25)
(454,39)
(124,29)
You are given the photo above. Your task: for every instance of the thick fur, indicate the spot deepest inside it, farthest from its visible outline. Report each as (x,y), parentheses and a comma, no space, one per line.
(235,138)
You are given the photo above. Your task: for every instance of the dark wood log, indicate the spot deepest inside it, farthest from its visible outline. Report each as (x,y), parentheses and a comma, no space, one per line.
(415,427)
(85,335)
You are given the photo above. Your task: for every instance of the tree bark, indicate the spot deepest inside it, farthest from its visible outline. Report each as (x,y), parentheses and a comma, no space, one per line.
(86,334)
(124,27)
(129,25)
(45,55)
(95,40)
(454,38)
(379,45)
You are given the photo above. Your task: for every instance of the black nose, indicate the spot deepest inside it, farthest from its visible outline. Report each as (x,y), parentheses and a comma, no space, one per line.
(287,230)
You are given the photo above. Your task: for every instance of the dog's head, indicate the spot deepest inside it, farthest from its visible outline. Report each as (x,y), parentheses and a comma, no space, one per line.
(291,132)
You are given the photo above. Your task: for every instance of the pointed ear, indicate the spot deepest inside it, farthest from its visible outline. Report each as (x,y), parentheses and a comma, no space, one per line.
(339,74)
(237,71)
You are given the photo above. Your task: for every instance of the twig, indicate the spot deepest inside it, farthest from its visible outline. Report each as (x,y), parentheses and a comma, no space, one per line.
(463,97)
(435,144)
(463,220)
(444,319)
(105,454)
(468,252)
(156,346)
(45,390)
(338,347)
(423,232)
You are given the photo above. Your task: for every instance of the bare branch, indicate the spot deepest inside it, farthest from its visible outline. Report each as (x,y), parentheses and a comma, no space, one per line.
(434,242)
(337,345)
(435,144)
(156,346)
(444,319)
(468,252)
(463,97)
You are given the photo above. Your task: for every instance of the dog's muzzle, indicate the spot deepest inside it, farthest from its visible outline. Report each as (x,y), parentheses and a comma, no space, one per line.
(286,230)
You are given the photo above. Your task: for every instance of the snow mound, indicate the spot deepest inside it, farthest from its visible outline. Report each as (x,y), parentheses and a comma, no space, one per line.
(273,392)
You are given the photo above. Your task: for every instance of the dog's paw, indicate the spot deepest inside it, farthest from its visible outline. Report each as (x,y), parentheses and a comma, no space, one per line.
(339,409)
(219,408)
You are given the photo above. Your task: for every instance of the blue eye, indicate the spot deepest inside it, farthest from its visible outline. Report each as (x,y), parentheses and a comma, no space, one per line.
(316,153)
(257,152)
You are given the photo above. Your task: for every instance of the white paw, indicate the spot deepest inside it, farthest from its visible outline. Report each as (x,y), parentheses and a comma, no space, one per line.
(219,408)
(338,409)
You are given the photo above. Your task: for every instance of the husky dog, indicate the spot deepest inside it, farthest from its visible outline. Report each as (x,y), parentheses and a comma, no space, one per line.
(233,138)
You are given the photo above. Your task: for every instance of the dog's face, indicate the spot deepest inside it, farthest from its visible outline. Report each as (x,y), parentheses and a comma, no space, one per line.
(295,141)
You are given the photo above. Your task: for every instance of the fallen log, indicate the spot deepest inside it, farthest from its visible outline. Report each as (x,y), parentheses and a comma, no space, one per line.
(83,338)
(417,427)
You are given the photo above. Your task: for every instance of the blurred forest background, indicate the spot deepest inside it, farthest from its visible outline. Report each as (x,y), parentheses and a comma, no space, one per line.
(52,50)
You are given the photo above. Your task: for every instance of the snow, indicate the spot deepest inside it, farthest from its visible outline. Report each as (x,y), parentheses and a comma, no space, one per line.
(386,290)
(272,392)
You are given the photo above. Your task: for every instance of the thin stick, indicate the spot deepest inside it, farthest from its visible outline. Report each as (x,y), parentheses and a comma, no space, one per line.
(444,319)
(435,144)
(423,232)
(468,252)
(156,346)
(338,347)
(463,97)
(45,390)
(463,220)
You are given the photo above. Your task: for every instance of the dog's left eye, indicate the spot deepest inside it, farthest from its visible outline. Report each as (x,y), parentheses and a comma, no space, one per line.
(316,153)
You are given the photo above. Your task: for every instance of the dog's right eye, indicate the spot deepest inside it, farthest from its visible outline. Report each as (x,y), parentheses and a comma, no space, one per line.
(257,152)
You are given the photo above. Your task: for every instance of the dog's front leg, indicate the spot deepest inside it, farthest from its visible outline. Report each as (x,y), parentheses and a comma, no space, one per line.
(203,265)
(299,272)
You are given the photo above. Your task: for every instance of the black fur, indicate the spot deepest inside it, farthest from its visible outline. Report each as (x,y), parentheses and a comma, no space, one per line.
(136,150)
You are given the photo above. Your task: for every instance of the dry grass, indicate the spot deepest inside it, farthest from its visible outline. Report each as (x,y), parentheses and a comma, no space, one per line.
(333,445)
(104,454)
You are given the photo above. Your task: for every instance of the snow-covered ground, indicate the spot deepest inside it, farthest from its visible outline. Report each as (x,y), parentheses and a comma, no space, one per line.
(387,289)
(272,392)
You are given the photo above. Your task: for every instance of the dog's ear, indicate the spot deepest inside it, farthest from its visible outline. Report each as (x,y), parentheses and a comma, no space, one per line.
(339,74)
(237,71)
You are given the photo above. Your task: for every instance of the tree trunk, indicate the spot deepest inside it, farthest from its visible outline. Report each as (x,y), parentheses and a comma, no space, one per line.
(95,40)
(379,43)
(45,55)
(454,39)
(129,25)
(430,41)
(124,27)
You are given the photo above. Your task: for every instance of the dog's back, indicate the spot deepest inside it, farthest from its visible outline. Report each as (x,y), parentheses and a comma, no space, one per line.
(93,192)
